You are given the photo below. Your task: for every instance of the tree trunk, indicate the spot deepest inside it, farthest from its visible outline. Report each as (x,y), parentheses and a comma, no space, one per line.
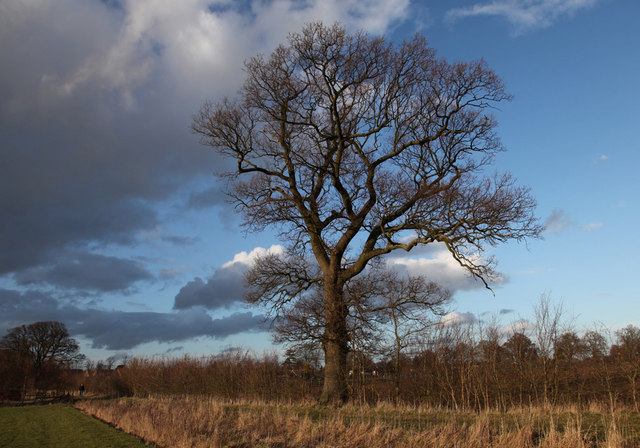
(335,344)
(398,347)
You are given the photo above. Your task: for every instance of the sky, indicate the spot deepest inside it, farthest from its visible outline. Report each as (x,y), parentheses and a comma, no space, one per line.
(112,221)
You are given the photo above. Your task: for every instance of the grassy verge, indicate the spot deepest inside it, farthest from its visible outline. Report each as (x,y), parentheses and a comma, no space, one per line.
(58,426)
(205,422)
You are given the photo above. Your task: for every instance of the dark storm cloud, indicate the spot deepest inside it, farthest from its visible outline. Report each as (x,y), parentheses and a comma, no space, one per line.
(86,271)
(20,307)
(224,288)
(180,240)
(120,330)
(35,234)
(96,99)
(88,146)
(207,198)
(179,348)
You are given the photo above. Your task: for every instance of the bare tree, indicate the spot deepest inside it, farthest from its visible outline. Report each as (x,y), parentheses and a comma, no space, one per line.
(546,332)
(40,349)
(381,303)
(355,148)
(492,355)
(403,304)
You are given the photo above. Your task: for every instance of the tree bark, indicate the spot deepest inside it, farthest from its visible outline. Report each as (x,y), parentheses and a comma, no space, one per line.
(335,343)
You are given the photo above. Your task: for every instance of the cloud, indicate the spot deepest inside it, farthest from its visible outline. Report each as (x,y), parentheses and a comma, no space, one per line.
(96,100)
(206,198)
(518,326)
(456,318)
(85,271)
(441,268)
(120,330)
(593,226)
(168,273)
(522,15)
(20,307)
(559,221)
(225,287)
(178,348)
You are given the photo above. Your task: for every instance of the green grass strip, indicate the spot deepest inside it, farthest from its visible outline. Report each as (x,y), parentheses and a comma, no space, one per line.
(58,426)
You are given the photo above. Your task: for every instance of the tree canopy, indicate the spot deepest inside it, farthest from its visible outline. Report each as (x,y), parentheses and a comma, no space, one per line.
(39,351)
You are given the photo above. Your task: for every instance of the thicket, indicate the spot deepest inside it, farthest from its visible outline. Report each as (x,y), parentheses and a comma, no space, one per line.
(453,366)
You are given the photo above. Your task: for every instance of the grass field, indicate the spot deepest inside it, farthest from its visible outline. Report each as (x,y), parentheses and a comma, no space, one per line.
(58,425)
(205,422)
(202,422)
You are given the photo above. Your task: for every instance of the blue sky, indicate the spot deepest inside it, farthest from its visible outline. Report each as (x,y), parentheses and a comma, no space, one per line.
(113,222)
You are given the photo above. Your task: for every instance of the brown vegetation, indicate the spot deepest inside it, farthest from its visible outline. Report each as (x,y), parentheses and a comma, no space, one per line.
(204,422)
(451,367)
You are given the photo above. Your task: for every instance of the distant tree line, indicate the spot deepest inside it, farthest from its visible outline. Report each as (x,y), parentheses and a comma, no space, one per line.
(453,365)
(460,366)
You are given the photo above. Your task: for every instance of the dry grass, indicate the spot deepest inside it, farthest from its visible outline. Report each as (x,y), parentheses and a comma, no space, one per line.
(204,422)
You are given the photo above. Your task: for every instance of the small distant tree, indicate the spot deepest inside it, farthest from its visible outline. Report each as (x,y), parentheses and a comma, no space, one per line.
(492,355)
(627,353)
(356,148)
(569,353)
(548,321)
(522,352)
(595,344)
(40,350)
(570,347)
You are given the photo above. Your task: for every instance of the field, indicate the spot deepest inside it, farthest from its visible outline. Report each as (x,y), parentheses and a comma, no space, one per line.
(58,426)
(204,422)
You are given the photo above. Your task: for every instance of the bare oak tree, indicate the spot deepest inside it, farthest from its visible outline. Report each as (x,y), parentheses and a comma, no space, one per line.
(355,148)
(41,348)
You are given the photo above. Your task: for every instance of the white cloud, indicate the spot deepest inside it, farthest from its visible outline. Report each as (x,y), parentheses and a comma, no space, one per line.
(195,47)
(225,287)
(248,258)
(523,15)
(195,44)
(519,326)
(456,318)
(440,267)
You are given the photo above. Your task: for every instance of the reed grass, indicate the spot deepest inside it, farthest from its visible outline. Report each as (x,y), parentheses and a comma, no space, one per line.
(198,422)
